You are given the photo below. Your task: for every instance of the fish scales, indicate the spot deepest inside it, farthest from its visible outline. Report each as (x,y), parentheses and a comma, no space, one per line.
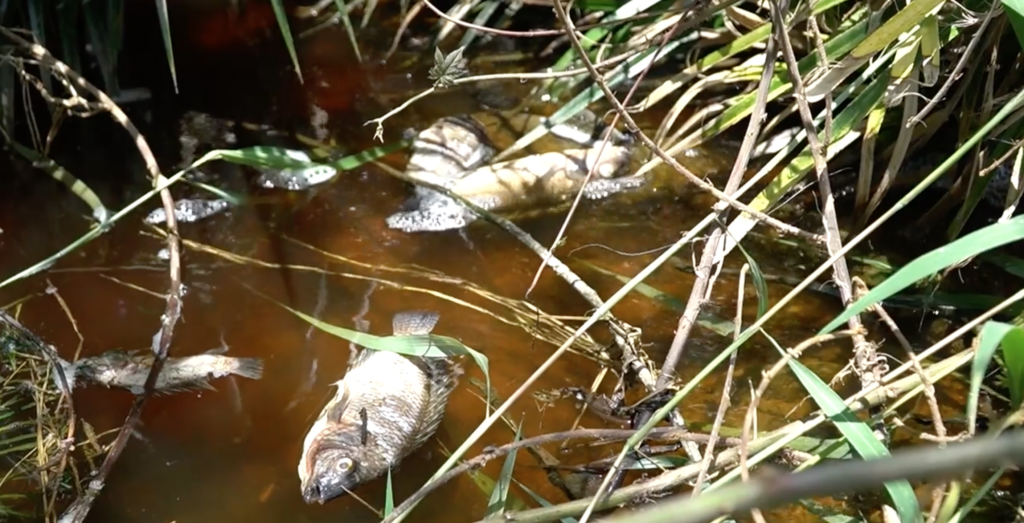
(402,400)
(130,370)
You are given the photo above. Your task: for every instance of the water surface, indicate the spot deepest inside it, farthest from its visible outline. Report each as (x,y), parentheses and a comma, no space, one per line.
(231,455)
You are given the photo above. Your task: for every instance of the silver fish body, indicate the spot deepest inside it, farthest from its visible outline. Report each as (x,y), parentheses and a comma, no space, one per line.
(128,370)
(454,153)
(385,407)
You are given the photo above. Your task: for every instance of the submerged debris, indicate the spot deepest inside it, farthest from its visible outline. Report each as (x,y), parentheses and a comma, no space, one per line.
(128,370)
(386,407)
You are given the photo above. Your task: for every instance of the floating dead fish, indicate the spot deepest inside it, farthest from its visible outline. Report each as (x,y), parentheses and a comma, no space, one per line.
(296,179)
(386,407)
(189,210)
(128,370)
(454,151)
(449,148)
(536,181)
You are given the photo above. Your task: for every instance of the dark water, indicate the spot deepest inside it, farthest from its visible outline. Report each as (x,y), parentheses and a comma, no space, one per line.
(231,455)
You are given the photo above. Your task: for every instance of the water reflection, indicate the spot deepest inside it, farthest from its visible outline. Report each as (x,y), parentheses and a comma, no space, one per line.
(231,454)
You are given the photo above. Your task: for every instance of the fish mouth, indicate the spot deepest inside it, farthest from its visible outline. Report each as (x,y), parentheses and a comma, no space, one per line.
(316,493)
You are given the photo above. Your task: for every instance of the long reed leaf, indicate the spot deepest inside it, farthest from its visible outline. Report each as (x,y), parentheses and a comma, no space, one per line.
(934,262)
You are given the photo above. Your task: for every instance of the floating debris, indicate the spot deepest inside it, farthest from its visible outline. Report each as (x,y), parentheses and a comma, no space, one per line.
(128,370)
(385,408)
(189,210)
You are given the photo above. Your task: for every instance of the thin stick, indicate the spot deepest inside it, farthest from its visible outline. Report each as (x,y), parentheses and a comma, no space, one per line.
(723,404)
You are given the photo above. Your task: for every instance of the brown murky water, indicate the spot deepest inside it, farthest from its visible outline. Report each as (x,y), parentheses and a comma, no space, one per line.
(231,455)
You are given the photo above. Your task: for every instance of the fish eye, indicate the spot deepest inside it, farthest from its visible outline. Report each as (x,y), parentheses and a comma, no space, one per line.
(346,464)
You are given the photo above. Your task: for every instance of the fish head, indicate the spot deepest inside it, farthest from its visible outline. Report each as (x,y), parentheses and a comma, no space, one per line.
(333,463)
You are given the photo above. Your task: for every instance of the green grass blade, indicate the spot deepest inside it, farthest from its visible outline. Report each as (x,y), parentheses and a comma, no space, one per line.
(860,436)
(1011,338)
(282,158)
(760,285)
(1013,359)
(286,33)
(541,501)
(595,35)
(934,262)
(424,346)
(389,497)
(165,33)
(355,160)
(499,495)
(78,187)
(371,6)
(486,12)
(904,20)
(487,485)
(1015,13)
(780,84)
(346,22)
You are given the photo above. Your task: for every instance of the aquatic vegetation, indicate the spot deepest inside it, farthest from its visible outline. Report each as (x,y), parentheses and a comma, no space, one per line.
(822,87)
(37,428)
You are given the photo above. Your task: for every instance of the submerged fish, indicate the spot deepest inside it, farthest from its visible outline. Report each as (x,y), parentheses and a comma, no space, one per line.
(386,406)
(128,370)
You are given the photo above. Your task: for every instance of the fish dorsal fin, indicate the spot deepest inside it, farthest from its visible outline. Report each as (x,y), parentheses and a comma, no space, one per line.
(411,323)
(336,409)
(217,351)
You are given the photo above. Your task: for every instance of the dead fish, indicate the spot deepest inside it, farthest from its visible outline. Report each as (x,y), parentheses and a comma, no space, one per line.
(128,370)
(386,406)
(187,211)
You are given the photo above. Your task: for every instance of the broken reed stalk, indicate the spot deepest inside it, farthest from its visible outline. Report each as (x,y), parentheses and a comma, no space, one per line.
(77,512)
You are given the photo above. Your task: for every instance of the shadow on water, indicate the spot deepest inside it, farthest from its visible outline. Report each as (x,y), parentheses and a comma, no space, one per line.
(231,455)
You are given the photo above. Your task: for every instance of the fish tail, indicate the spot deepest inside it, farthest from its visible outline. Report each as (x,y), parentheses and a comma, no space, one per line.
(251,368)
(411,323)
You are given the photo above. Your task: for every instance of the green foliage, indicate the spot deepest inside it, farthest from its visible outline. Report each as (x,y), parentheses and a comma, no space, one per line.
(499,494)
(934,262)
(1015,13)
(420,345)
(447,68)
(859,435)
